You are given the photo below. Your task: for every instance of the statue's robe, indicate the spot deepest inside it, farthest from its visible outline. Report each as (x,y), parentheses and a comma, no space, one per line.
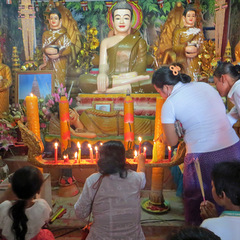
(61,39)
(129,55)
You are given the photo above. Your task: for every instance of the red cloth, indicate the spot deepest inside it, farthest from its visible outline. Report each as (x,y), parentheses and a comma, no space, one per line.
(44,234)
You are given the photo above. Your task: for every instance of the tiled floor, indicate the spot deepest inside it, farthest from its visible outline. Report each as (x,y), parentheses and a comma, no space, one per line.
(154,226)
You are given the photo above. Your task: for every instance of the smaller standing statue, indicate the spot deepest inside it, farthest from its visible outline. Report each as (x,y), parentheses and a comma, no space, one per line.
(56,46)
(187,44)
(237,54)
(5,83)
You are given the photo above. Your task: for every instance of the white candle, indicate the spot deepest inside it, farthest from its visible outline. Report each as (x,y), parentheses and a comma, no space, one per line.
(145,152)
(79,152)
(169,153)
(90,152)
(96,151)
(135,155)
(76,156)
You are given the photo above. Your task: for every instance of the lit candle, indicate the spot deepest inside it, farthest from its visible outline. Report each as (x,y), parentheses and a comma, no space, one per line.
(96,150)
(56,151)
(79,152)
(33,114)
(140,144)
(76,157)
(145,152)
(65,158)
(90,152)
(135,155)
(169,153)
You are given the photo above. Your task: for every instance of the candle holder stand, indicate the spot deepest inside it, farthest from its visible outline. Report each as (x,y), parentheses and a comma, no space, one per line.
(67,184)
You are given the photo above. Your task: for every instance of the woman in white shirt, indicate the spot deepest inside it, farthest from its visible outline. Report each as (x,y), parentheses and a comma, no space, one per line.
(226,78)
(208,133)
(116,207)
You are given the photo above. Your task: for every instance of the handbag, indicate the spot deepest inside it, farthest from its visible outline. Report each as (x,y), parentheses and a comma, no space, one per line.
(86,229)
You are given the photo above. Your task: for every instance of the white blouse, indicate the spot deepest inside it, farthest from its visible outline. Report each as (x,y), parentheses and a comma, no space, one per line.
(116,208)
(38,214)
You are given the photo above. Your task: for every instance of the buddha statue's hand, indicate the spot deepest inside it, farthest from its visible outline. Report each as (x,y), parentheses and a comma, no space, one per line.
(191,51)
(102,82)
(120,89)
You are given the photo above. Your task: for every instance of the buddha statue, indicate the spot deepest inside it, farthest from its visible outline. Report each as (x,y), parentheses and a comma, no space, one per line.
(123,59)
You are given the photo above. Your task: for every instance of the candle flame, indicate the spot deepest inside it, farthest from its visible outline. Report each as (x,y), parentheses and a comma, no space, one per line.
(144,149)
(89,145)
(64,157)
(31,94)
(56,144)
(96,148)
(135,153)
(169,148)
(101,143)
(139,139)
(78,145)
(75,154)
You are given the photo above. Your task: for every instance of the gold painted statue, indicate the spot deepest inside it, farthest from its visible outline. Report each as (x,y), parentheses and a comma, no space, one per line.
(123,58)
(187,44)
(163,49)
(5,83)
(237,54)
(89,124)
(56,46)
(181,41)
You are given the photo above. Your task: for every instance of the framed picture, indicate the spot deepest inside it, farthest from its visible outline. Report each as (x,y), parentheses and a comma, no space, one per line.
(106,106)
(40,83)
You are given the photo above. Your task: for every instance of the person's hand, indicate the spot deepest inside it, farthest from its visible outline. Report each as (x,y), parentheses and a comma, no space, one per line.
(141,162)
(208,210)
(102,82)
(141,158)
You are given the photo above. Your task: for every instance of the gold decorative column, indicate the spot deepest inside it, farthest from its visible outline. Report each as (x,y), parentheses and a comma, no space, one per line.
(156,195)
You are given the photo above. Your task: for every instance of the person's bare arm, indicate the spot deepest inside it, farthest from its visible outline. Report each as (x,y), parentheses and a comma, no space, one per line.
(170,136)
(141,163)
(102,78)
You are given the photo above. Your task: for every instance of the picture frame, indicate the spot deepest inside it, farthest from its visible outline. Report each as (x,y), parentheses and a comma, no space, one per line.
(106,106)
(40,83)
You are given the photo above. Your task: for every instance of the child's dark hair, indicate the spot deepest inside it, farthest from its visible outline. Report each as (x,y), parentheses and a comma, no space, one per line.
(55,11)
(226,177)
(112,158)
(194,233)
(26,183)
(227,68)
(164,76)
